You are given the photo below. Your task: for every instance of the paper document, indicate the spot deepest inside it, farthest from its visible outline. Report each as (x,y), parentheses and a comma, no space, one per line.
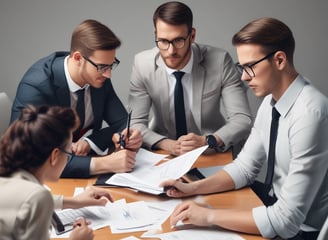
(97,215)
(143,216)
(122,217)
(194,234)
(147,158)
(144,158)
(147,178)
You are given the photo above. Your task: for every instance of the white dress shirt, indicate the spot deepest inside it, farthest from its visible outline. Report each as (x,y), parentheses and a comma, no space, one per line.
(187,92)
(73,88)
(300,179)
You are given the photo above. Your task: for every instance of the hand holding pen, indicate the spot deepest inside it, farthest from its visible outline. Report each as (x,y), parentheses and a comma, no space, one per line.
(122,141)
(129,138)
(81,230)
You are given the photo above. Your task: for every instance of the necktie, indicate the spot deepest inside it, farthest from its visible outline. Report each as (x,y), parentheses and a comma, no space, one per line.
(80,109)
(272,146)
(180,115)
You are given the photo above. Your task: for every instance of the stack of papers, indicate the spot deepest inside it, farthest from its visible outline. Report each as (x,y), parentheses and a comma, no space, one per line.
(122,217)
(147,177)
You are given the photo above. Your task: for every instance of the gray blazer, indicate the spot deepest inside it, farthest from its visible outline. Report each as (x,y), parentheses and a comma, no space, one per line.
(216,83)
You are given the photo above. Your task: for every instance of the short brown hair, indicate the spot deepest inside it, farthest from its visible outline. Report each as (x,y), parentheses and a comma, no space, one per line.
(174,13)
(92,35)
(270,33)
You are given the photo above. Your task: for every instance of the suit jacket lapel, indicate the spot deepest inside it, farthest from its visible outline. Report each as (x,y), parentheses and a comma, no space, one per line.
(97,102)
(198,78)
(163,88)
(59,79)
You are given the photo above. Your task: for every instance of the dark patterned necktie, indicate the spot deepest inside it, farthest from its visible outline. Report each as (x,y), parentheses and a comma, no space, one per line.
(272,146)
(180,115)
(80,109)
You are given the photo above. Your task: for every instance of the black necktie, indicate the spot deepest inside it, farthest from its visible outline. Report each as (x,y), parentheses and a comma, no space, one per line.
(80,109)
(272,146)
(180,115)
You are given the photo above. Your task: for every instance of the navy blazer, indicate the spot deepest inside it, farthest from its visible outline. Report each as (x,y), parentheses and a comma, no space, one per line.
(45,83)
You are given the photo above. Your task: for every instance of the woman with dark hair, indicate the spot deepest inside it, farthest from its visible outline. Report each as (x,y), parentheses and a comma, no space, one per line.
(33,150)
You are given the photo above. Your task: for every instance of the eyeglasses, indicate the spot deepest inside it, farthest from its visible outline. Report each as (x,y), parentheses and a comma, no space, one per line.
(101,68)
(248,68)
(70,155)
(178,43)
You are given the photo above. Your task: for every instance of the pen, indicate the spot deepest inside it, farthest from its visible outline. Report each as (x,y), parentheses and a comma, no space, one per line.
(122,142)
(128,123)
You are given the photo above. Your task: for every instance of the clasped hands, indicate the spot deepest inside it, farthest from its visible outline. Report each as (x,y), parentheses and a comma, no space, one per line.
(183,144)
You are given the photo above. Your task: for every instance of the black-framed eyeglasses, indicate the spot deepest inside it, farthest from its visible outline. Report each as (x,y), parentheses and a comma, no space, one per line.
(70,155)
(101,68)
(248,68)
(178,43)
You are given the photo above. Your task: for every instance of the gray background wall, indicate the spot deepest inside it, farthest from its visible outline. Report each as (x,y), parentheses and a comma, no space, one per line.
(31,29)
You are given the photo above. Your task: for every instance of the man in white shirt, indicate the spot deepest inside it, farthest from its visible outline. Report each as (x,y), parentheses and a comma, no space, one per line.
(299,188)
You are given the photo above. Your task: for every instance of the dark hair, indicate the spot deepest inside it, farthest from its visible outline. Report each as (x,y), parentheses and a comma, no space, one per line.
(174,13)
(270,33)
(92,35)
(31,138)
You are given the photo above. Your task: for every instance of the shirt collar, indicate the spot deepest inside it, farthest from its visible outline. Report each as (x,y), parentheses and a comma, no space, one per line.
(287,100)
(186,69)
(73,87)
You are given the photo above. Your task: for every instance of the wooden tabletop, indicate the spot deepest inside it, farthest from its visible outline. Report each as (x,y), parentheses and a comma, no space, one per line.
(240,199)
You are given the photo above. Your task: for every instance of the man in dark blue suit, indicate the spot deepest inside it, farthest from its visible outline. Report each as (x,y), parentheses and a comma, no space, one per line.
(57,79)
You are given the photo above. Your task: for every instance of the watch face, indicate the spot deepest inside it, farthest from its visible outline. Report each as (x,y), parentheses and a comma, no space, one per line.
(211,141)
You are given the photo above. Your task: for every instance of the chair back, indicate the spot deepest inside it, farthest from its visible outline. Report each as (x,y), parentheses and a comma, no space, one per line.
(5,112)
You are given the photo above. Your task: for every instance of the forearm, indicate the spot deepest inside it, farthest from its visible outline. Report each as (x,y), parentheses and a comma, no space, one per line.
(70,202)
(100,165)
(219,182)
(166,144)
(233,219)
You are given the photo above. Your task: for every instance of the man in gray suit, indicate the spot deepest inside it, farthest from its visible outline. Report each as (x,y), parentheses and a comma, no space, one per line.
(209,81)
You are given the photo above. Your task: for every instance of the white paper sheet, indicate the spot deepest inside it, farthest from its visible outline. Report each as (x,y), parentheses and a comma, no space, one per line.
(97,215)
(152,218)
(122,217)
(147,178)
(148,158)
(194,234)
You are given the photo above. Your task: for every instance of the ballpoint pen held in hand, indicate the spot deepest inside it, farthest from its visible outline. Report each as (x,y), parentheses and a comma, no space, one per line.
(122,141)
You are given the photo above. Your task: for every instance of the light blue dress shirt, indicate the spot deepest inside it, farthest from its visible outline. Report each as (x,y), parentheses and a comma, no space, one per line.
(300,179)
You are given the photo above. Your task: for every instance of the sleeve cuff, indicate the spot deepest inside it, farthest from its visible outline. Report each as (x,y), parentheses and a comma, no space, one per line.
(262,222)
(58,201)
(94,147)
(235,174)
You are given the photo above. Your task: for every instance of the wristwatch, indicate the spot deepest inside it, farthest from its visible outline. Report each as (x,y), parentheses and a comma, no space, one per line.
(211,141)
